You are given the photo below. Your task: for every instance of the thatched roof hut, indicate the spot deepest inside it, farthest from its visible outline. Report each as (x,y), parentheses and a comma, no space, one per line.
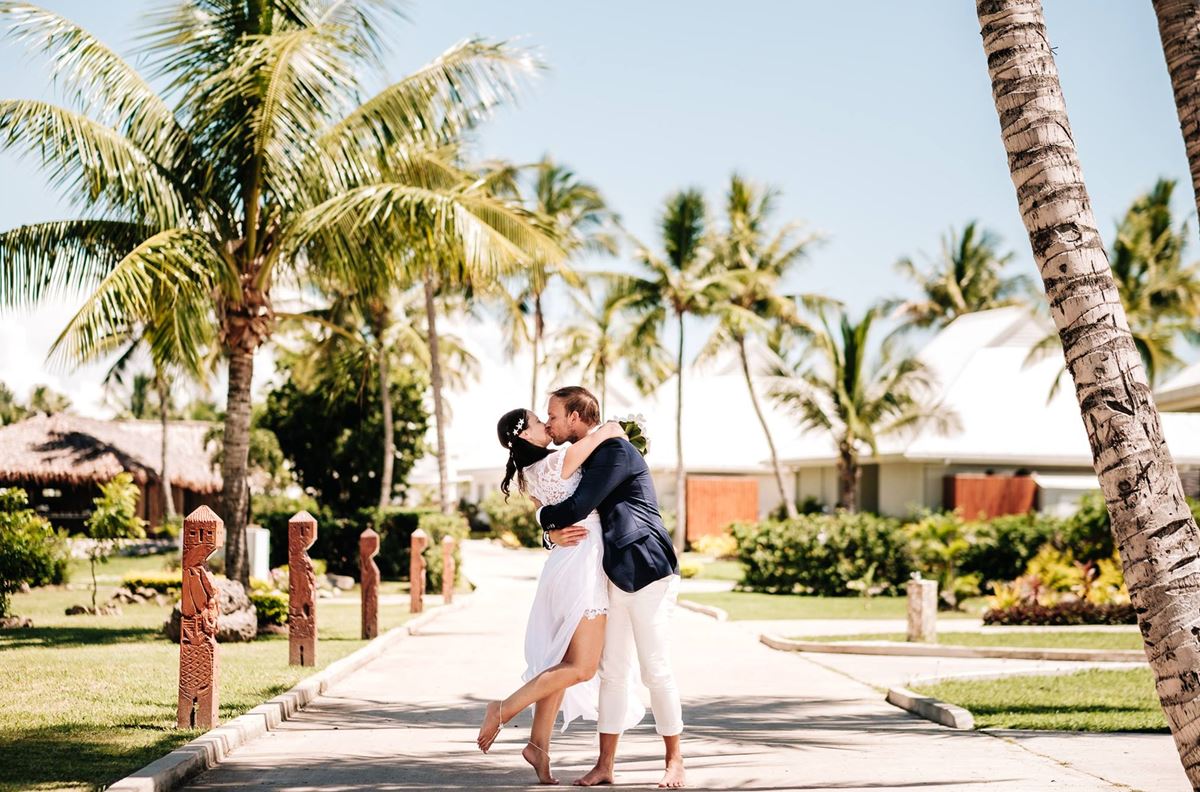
(61,459)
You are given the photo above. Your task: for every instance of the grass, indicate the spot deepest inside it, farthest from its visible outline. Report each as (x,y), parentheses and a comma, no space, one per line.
(1092,701)
(85,700)
(1047,638)
(745,605)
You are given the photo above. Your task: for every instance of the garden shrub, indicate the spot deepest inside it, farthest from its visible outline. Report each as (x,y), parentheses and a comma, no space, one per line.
(939,542)
(31,551)
(1066,612)
(162,582)
(689,569)
(1087,533)
(1003,546)
(514,515)
(823,554)
(439,525)
(271,606)
(719,546)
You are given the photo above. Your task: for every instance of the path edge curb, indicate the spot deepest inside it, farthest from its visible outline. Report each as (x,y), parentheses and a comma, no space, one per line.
(930,708)
(708,610)
(209,749)
(927,650)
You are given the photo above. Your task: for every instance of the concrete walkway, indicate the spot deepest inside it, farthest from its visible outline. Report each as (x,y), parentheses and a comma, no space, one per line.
(757,719)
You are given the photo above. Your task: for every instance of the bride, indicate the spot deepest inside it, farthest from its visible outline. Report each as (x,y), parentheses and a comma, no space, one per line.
(565,634)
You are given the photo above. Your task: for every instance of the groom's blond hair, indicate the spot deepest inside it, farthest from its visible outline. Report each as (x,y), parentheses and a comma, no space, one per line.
(579,400)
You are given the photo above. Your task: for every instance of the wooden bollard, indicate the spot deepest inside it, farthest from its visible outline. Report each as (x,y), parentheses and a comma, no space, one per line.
(922,610)
(448,545)
(302,591)
(368,575)
(416,571)
(199,659)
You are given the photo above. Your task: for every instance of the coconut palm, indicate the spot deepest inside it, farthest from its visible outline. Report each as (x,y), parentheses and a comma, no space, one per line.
(760,262)
(574,212)
(273,165)
(44,400)
(1160,294)
(683,280)
(966,277)
(1157,537)
(855,399)
(1179,30)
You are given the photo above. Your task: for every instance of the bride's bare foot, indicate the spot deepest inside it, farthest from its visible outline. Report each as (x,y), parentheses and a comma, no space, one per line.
(540,760)
(597,776)
(673,778)
(490,730)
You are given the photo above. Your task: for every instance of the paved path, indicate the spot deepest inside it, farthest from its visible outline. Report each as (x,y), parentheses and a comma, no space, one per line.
(757,719)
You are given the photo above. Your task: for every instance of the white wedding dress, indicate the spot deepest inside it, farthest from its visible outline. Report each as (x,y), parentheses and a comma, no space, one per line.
(572,587)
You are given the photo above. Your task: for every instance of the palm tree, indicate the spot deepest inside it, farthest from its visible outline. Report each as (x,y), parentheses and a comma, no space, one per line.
(273,165)
(1160,294)
(1158,538)
(967,277)
(575,214)
(1179,29)
(760,261)
(684,280)
(46,401)
(857,401)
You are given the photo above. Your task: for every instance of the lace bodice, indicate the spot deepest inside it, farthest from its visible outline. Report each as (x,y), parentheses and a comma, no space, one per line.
(545,481)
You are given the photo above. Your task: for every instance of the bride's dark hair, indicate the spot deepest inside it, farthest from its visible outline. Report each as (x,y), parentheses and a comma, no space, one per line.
(521,452)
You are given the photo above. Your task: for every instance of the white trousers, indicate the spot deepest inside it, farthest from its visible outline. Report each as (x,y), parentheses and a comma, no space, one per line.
(638,626)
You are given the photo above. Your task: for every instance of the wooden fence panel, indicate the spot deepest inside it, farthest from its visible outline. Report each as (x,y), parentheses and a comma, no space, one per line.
(715,501)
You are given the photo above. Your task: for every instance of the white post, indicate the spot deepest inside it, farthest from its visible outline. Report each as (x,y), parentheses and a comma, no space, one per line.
(922,610)
(258,543)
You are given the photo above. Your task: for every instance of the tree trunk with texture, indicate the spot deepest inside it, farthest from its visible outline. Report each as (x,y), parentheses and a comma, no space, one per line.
(847,478)
(1179,29)
(235,495)
(537,343)
(680,470)
(435,376)
(1158,539)
(389,437)
(789,503)
(165,462)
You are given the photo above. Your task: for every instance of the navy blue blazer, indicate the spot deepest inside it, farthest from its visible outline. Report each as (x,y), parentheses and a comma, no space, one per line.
(616,483)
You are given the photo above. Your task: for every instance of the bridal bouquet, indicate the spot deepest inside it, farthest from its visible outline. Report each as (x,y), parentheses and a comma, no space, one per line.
(635,430)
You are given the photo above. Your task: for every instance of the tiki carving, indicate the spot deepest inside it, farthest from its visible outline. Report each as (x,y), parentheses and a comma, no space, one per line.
(416,571)
(199,663)
(448,570)
(302,591)
(368,548)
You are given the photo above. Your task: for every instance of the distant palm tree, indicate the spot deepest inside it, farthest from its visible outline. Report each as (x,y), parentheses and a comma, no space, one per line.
(855,400)
(967,277)
(274,164)
(44,400)
(681,281)
(11,410)
(1160,294)
(759,262)
(575,214)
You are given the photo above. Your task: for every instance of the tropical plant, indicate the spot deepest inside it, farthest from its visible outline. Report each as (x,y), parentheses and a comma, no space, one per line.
(31,551)
(681,281)
(11,410)
(966,277)
(574,212)
(1157,536)
(857,400)
(274,164)
(756,304)
(114,516)
(44,400)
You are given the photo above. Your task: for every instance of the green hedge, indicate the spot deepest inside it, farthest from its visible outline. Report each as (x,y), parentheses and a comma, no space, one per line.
(31,551)
(826,554)
(271,606)
(162,582)
(515,515)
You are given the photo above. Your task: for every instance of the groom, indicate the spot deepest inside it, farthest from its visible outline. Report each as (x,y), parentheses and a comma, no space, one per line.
(643,578)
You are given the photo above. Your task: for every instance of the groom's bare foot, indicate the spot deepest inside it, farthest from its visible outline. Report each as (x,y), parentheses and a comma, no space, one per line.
(490,729)
(597,776)
(540,761)
(673,779)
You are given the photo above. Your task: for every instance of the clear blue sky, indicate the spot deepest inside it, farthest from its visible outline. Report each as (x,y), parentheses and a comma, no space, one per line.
(874,118)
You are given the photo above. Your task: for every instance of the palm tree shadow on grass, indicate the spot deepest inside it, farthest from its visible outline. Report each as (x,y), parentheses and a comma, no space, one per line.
(65,757)
(62,637)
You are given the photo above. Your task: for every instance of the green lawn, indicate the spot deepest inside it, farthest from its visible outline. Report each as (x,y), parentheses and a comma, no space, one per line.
(85,700)
(745,605)
(1042,639)
(1094,701)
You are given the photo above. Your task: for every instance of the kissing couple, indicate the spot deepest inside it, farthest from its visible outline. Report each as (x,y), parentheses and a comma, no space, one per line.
(606,593)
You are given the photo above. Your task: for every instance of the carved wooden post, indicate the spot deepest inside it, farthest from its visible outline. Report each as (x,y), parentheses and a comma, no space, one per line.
(199,661)
(922,610)
(416,571)
(368,574)
(302,591)
(448,545)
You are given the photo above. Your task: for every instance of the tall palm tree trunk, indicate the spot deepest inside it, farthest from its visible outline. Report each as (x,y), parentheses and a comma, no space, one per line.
(1158,540)
(389,436)
(847,471)
(680,471)
(1179,29)
(537,343)
(165,464)
(789,503)
(234,462)
(435,375)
